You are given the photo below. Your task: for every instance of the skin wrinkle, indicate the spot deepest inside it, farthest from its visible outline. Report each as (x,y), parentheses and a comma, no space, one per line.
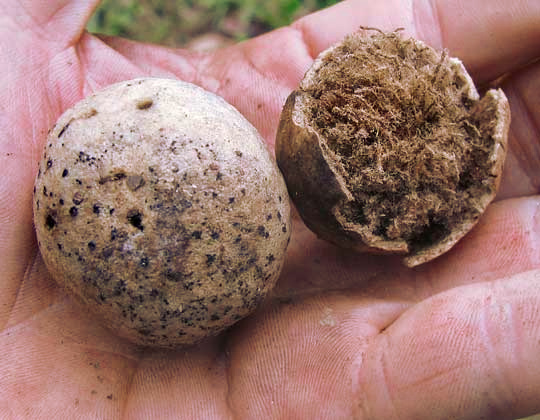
(87,84)
(222,362)
(428,286)
(77,347)
(431,30)
(44,19)
(45,27)
(514,173)
(50,21)
(68,59)
(37,27)
(499,395)
(253,65)
(297,44)
(497,327)
(151,362)
(129,386)
(233,415)
(17,17)
(83,87)
(360,405)
(204,74)
(534,123)
(378,347)
(383,369)
(520,106)
(535,244)
(133,359)
(302,29)
(29,103)
(9,313)
(185,66)
(320,311)
(49,296)
(507,256)
(90,46)
(161,61)
(81,29)
(26,255)
(121,54)
(201,74)
(37,71)
(60,302)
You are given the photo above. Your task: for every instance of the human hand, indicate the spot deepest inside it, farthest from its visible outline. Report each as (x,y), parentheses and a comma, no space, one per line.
(345,335)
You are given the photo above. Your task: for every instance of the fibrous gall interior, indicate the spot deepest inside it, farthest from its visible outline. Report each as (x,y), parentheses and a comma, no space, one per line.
(400,124)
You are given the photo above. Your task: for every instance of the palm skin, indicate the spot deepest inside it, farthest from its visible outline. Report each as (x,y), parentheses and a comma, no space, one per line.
(345,335)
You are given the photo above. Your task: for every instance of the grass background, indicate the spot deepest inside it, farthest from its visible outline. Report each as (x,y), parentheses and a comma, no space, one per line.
(176,23)
(181,23)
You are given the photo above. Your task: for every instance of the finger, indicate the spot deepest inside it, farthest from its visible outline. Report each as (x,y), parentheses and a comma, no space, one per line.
(294,360)
(469,353)
(58,359)
(490,37)
(192,382)
(521,176)
(17,243)
(53,20)
(506,241)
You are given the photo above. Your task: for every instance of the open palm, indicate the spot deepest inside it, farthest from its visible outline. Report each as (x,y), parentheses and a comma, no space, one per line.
(344,335)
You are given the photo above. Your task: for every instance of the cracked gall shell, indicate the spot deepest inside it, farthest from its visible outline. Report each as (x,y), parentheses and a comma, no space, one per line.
(158,206)
(387,147)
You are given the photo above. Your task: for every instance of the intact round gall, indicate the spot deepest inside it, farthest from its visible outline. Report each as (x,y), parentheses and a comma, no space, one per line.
(158,206)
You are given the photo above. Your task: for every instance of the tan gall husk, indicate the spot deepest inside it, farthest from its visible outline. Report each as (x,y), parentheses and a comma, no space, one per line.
(387,147)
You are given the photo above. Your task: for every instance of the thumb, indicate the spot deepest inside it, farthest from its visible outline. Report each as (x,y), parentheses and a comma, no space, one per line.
(468,353)
(61,21)
(32,34)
